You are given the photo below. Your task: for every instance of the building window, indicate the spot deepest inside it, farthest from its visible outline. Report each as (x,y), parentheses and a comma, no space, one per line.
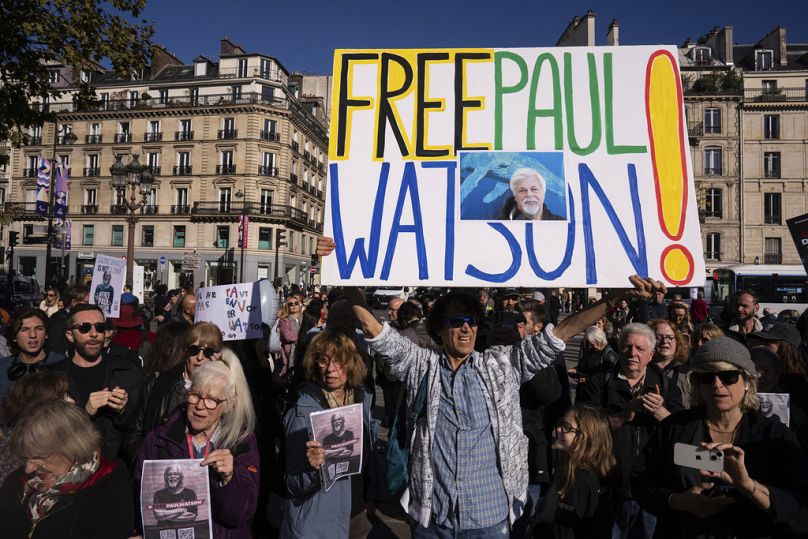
(701,55)
(771,126)
(713,246)
(117,236)
(771,164)
(179,236)
(764,59)
(242,67)
(133,99)
(712,120)
(53,76)
(773,253)
(265,65)
(147,236)
(769,86)
(163,96)
(266,201)
(712,162)
(87,234)
(104,101)
(772,208)
(712,203)
(90,197)
(153,162)
(2,195)
(225,194)
(265,238)
(193,96)
(223,237)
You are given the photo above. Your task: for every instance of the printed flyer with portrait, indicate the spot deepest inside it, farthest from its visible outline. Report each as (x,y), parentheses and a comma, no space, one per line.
(175,500)
(107,286)
(340,432)
(776,405)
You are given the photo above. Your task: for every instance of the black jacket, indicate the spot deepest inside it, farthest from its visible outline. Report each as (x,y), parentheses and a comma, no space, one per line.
(161,395)
(57,334)
(119,372)
(534,396)
(103,510)
(511,213)
(772,457)
(613,393)
(583,512)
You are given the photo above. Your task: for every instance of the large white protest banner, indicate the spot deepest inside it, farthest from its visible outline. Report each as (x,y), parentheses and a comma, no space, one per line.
(494,167)
(235,308)
(107,284)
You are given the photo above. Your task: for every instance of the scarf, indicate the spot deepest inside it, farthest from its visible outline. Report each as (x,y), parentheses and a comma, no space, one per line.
(39,502)
(334,403)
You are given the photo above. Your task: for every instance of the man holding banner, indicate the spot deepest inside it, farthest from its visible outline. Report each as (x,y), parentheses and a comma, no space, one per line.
(469,457)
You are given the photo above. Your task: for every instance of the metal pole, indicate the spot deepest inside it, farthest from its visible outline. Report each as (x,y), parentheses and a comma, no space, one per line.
(48,271)
(130,248)
(243,241)
(277,246)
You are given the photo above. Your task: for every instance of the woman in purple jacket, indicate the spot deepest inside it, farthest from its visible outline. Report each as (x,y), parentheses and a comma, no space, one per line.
(216,425)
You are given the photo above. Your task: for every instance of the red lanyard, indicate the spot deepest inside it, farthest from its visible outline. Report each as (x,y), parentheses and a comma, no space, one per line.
(191,448)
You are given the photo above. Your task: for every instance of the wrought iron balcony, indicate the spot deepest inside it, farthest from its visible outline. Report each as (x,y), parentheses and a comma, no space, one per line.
(295,146)
(182,170)
(267,171)
(29,173)
(272,136)
(154,136)
(92,171)
(227,134)
(155,170)
(118,209)
(180,209)
(94,139)
(89,209)
(293,178)
(22,211)
(123,137)
(183,135)
(228,211)
(35,140)
(712,171)
(226,169)
(776,95)
(149,209)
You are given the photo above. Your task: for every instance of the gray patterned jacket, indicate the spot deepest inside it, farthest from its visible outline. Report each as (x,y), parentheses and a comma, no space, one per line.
(502,369)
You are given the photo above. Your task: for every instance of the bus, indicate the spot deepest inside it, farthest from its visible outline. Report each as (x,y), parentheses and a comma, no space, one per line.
(779,287)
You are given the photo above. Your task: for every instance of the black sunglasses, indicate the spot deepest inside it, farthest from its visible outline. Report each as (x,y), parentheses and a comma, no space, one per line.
(18,369)
(565,427)
(727,378)
(194,350)
(458,321)
(86,327)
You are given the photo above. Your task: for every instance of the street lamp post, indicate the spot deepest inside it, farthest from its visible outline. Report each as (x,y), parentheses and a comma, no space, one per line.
(130,178)
(69,138)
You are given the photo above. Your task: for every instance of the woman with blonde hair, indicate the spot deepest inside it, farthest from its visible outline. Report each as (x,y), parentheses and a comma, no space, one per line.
(216,426)
(763,487)
(289,319)
(67,488)
(703,333)
(578,501)
(334,371)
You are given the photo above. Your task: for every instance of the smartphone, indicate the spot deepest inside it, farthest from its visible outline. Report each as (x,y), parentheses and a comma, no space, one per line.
(649,389)
(700,458)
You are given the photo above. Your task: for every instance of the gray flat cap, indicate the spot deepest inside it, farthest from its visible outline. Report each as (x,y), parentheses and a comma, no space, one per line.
(723,349)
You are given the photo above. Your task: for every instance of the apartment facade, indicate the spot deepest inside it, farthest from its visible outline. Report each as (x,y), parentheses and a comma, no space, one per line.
(228,142)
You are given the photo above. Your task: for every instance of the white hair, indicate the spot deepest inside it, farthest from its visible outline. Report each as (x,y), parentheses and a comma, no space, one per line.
(638,329)
(527,172)
(594,335)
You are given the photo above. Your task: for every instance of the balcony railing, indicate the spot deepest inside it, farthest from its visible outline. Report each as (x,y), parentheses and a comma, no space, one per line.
(273,136)
(227,134)
(35,140)
(772,219)
(773,258)
(777,95)
(180,209)
(182,170)
(89,209)
(118,209)
(773,173)
(29,173)
(183,135)
(695,129)
(24,210)
(295,146)
(293,178)
(60,140)
(712,171)
(267,171)
(275,211)
(149,209)
(154,136)
(226,169)
(94,139)
(306,155)
(155,170)
(236,73)
(123,137)
(92,171)
(247,98)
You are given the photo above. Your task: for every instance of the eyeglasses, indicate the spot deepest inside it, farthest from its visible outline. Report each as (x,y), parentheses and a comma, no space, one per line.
(51,295)
(194,350)
(211,403)
(665,337)
(323,362)
(565,427)
(459,321)
(727,378)
(292,304)
(86,327)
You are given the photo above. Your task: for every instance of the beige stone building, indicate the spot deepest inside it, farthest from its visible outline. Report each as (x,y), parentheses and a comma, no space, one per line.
(224,139)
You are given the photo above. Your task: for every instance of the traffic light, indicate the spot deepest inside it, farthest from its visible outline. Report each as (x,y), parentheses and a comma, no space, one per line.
(13,238)
(280,238)
(315,260)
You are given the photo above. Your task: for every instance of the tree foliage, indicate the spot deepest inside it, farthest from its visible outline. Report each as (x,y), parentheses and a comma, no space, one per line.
(37,34)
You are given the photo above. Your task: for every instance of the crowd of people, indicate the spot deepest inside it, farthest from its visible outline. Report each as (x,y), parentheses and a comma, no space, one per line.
(497,435)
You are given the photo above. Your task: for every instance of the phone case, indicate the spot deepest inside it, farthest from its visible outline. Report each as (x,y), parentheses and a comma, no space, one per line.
(700,458)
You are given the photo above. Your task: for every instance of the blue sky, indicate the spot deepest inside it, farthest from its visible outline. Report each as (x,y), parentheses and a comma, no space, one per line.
(303,34)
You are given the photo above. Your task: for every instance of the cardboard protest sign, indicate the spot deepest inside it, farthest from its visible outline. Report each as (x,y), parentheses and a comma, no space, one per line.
(776,405)
(107,284)
(175,500)
(340,432)
(798,226)
(495,167)
(235,308)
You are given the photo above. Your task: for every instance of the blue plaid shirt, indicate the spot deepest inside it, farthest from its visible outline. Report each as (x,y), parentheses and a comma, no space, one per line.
(468,491)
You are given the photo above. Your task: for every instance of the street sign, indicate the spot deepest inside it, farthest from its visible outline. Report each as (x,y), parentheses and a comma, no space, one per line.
(162,261)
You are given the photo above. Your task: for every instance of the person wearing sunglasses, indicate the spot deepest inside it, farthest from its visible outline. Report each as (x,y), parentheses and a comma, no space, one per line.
(107,387)
(763,488)
(216,425)
(164,391)
(27,334)
(472,413)
(50,304)
(289,320)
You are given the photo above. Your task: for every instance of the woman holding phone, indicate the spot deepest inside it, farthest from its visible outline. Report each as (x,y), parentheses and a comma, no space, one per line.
(763,488)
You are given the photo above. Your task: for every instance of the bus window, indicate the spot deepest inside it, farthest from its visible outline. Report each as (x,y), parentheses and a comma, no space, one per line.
(723,287)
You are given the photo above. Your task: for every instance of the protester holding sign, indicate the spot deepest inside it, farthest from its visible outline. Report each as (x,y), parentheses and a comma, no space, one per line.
(334,371)
(217,427)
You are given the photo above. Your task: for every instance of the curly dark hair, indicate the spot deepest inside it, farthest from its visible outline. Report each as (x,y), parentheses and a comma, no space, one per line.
(452,304)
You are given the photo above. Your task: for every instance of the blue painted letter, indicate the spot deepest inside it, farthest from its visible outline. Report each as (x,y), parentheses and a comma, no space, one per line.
(516,256)
(409,183)
(565,262)
(448,259)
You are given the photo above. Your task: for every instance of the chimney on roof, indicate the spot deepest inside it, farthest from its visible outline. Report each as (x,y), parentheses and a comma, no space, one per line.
(613,35)
(227,47)
(580,32)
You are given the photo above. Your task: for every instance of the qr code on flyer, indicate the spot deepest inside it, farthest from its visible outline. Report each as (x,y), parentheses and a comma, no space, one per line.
(185,533)
(168,534)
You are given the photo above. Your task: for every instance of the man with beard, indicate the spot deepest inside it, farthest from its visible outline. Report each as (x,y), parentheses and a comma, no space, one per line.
(103,386)
(174,492)
(335,443)
(527,203)
(745,322)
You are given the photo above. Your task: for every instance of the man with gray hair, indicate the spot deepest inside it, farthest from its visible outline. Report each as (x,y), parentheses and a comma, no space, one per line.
(637,399)
(174,504)
(527,203)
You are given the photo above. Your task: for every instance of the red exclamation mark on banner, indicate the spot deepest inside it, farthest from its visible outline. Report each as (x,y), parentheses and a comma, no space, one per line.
(666,132)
